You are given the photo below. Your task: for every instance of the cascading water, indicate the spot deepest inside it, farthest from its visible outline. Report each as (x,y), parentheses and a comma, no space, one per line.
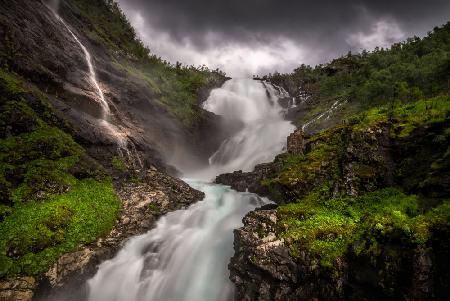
(264,130)
(121,138)
(92,75)
(186,256)
(326,114)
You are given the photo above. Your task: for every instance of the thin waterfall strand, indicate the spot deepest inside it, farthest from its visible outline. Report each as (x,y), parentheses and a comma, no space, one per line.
(121,138)
(92,74)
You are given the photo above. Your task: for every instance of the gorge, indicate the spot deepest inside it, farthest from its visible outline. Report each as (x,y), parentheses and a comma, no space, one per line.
(126,177)
(198,241)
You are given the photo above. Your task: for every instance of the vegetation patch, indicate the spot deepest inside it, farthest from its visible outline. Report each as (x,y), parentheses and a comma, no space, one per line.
(415,69)
(176,86)
(324,222)
(154,207)
(118,164)
(53,197)
(331,227)
(38,232)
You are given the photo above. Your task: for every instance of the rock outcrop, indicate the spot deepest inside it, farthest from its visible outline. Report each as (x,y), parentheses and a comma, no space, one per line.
(143,201)
(347,164)
(296,142)
(47,55)
(249,181)
(263,269)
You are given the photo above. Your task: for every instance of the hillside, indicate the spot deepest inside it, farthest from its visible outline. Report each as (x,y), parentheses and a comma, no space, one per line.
(415,69)
(80,157)
(363,205)
(95,130)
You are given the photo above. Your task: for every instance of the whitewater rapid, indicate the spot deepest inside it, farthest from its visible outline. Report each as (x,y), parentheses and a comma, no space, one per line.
(185,257)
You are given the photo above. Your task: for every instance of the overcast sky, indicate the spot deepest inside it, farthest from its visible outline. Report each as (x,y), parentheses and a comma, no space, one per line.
(245,37)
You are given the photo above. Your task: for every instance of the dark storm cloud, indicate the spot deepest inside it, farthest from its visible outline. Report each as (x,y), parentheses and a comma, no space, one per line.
(321,28)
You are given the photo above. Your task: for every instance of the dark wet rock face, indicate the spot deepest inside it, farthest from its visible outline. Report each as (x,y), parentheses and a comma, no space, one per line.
(263,269)
(345,164)
(248,181)
(136,110)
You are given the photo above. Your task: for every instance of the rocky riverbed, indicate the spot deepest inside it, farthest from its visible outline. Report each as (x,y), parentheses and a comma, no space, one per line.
(143,201)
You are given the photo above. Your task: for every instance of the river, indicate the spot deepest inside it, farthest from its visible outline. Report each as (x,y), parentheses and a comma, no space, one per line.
(185,257)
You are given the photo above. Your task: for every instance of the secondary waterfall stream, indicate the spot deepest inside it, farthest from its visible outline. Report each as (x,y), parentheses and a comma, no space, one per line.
(185,256)
(124,145)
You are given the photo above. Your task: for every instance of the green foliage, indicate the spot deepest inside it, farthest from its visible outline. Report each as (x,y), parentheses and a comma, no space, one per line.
(110,25)
(53,196)
(406,72)
(329,227)
(407,116)
(118,164)
(176,86)
(37,233)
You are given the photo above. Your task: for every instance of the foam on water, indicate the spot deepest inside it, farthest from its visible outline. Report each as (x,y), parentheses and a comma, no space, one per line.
(186,256)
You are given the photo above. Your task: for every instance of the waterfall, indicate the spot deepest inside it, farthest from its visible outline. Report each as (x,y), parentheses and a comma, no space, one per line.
(327,114)
(264,129)
(123,143)
(186,256)
(92,75)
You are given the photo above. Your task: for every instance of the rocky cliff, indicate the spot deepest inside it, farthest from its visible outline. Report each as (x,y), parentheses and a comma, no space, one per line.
(153,105)
(363,212)
(90,126)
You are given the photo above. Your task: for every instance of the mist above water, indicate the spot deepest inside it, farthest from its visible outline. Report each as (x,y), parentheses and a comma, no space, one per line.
(186,256)
(264,130)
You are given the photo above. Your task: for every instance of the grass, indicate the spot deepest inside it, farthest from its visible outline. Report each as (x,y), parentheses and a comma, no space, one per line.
(118,164)
(37,233)
(328,228)
(53,197)
(407,116)
(322,220)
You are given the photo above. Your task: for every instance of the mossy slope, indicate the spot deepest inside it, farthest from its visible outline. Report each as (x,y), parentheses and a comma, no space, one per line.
(53,196)
(372,193)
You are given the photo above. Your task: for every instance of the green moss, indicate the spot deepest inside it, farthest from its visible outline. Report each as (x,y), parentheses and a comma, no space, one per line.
(37,233)
(407,117)
(38,162)
(154,207)
(118,164)
(329,228)
(53,197)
